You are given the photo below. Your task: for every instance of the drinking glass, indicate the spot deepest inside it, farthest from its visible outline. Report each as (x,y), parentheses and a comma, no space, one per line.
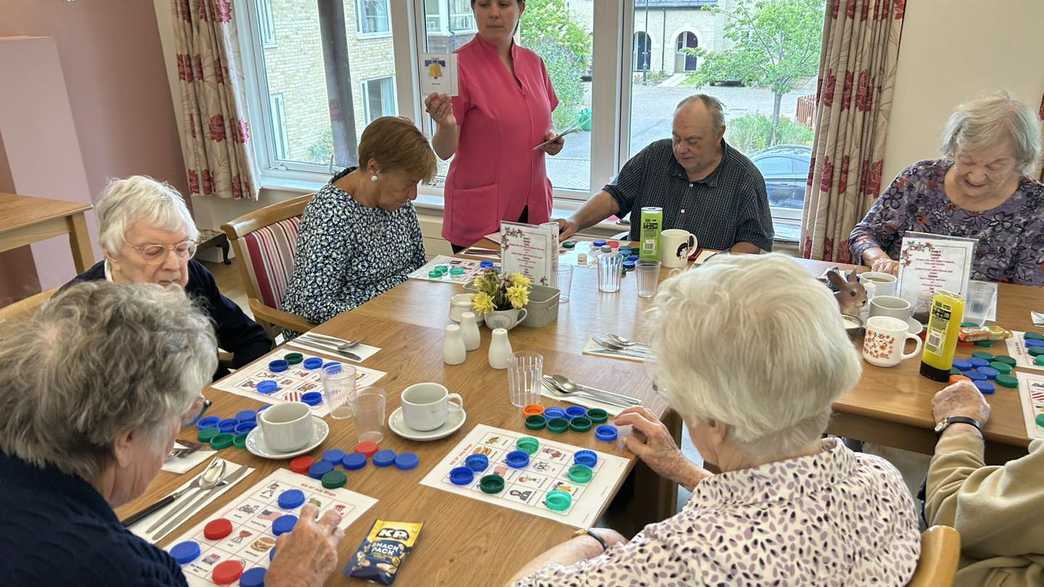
(339,388)
(525,378)
(648,273)
(565,282)
(369,414)
(981,296)
(610,270)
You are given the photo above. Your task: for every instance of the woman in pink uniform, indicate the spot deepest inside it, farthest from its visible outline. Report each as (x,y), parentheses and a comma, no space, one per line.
(502,111)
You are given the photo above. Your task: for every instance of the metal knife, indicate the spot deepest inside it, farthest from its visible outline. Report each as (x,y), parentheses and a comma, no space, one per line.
(229,480)
(330,349)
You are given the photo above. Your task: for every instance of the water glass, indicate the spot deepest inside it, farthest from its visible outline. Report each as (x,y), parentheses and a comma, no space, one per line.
(981,297)
(339,388)
(525,378)
(565,282)
(610,271)
(648,273)
(369,414)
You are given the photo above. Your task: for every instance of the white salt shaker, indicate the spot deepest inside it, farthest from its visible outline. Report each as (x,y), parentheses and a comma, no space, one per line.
(470,330)
(499,349)
(453,351)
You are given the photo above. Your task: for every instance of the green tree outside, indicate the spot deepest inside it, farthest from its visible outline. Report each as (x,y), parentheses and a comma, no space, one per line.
(548,29)
(751,133)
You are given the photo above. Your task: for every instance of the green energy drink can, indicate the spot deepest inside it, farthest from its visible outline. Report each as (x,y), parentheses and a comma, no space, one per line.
(651,226)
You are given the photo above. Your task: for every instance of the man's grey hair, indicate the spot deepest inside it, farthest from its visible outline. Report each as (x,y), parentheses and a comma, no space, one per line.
(990,121)
(96,361)
(138,198)
(713,105)
(754,342)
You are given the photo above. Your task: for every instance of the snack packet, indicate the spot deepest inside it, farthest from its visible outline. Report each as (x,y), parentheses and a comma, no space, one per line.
(382,551)
(977,333)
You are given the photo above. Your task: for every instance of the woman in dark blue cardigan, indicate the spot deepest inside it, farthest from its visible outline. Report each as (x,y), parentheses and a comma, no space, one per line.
(96,387)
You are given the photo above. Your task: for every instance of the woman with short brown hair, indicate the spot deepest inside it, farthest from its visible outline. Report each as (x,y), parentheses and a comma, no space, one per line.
(359,235)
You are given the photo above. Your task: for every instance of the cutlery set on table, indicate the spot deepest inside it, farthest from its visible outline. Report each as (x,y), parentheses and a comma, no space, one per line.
(612,345)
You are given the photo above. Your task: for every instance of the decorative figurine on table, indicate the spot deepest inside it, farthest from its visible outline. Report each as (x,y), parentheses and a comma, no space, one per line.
(850,294)
(501,299)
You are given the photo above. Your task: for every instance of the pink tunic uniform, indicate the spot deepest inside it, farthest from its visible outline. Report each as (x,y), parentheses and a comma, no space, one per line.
(495,173)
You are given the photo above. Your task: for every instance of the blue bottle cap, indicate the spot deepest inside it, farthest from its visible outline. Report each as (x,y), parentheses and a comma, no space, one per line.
(985,387)
(477,462)
(384,458)
(328,363)
(312,398)
(962,364)
(599,243)
(585,457)
(334,455)
(977,362)
(606,433)
(245,415)
(320,468)
(406,461)
(254,577)
(291,498)
(267,386)
(284,524)
(354,461)
(278,366)
(976,375)
(1032,342)
(989,372)
(244,427)
(573,411)
(486,264)
(185,552)
(555,413)
(461,476)
(207,422)
(332,368)
(517,459)
(228,425)
(632,258)
(312,363)
(629,264)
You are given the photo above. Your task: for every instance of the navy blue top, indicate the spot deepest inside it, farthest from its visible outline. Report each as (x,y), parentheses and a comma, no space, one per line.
(236,332)
(57,530)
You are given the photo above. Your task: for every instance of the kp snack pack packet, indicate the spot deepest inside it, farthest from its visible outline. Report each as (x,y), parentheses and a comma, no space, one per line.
(378,558)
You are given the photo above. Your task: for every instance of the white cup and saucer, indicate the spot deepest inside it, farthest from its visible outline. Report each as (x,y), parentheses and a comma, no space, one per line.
(286,430)
(428,412)
(896,307)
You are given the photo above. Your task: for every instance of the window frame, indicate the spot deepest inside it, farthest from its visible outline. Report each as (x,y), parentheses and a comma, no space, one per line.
(365,88)
(266,21)
(277,105)
(359,21)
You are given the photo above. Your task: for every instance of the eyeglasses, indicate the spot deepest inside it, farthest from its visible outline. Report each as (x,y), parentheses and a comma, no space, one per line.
(195,411)
(155,253)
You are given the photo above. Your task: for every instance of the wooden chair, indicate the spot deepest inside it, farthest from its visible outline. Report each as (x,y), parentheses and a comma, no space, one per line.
(940,553)
(25,307)
(265,241)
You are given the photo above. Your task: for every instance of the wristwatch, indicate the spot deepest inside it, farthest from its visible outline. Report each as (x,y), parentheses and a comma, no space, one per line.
(943,424)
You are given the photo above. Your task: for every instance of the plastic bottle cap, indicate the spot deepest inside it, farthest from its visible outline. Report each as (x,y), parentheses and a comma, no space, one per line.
(983,355)
(528,444)
(312,398)
(1040,420)
(989,372)
(580,473)
(312,363)
(558,425)
(962,364)
(254,577)
(227,425)
(227,572)
(384,458)
(293,358)
(533,410)
(320,468)
(597,415)
(977,362)
(334,455)
(554,413)
(267,386)
(185,552)
(278,366)
(301,464)
(405,461)
(1009,361)
(207,422)
(486,264)
(1001,368)
(366,447)
(606,433)
(575,411)
(334,479)
(354,461)
(1008,380)
(476,462)
(491,484)
(205,434)
(284,524)
(517,459)
(599,243)
(461,476)
(569,244)
(536,422)
(558,501)
(291,499)
(580,424)
(240,440)
(985,387)
(246,416)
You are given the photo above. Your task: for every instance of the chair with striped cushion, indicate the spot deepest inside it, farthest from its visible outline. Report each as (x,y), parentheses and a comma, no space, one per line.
(265,241)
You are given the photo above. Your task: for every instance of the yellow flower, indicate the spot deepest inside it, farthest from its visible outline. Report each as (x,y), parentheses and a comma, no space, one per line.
(517,279)
(482,303)
(518,295)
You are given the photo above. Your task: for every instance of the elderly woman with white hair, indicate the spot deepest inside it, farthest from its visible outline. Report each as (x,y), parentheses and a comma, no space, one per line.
(148,236)
(751,353)
(86,427)
(980,190)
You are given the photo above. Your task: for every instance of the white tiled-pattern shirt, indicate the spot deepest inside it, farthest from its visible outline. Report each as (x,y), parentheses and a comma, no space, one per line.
(832,518)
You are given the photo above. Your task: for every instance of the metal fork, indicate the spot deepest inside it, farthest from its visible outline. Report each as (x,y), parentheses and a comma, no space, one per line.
(354,342)
(625,342)
(632,351)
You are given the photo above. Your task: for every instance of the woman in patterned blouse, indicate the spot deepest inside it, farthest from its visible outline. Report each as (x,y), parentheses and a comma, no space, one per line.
(789,507)
(359,235)
(981,190)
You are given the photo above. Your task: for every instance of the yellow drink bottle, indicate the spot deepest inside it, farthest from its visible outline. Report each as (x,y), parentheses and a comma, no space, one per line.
(940,341)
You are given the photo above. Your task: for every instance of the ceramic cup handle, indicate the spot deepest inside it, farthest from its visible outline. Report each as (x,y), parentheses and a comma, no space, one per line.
(522,316)
(458,404)
(917,347)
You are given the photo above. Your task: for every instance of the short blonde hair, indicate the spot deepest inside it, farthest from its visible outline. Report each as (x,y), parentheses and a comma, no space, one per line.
(990,120)
(755,342)
(126,201)
(397,145)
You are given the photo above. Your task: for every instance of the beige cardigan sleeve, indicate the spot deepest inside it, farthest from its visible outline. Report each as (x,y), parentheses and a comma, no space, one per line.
(996,509)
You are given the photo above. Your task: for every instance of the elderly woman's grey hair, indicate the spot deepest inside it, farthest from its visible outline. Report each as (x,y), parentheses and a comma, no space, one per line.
(714,105)
(990,121)
(98,360)
(138,198)
(755,342)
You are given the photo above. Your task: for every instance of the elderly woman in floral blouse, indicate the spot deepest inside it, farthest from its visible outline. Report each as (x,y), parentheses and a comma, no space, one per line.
(752,352)
(980,191)
(359,235)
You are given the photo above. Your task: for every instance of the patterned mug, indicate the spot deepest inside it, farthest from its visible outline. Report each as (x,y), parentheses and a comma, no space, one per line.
(885,340)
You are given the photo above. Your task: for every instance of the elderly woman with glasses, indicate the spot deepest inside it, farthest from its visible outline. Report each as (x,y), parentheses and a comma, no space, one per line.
(148,236)
(751,352)
(86,427)
(979,190)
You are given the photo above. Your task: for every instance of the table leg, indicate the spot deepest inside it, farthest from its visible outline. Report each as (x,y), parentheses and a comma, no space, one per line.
(80,242)
(224,250)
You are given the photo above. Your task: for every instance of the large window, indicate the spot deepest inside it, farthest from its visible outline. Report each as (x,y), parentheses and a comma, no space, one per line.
(380,98)
(373,17)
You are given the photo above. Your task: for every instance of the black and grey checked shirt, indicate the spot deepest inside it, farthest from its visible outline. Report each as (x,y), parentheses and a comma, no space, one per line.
(728,206)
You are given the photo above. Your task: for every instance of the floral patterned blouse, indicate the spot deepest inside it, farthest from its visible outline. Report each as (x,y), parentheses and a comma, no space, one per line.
(1011,236)
(348,253)
(832,518)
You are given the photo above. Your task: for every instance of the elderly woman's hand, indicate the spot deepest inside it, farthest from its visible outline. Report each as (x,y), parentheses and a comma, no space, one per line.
(555,146)
(961,399)
(308,555)
(885,264)
(652,442)
(440,107)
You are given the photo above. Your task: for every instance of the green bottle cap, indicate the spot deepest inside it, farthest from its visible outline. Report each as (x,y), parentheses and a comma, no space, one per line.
(1007,381)
(528,444)
(597,415)
(334,479)
(1006,360)
(293,358)
(205,434)
(984,343)
(223,440)
(580,423)
(558,501)
(240,440)
(535,422)
(1003,368)
(558,425)
(983,355)
(580,473)
(1040,420)
(491,484)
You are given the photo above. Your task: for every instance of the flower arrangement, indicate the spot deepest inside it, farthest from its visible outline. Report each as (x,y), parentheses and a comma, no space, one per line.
(500,292)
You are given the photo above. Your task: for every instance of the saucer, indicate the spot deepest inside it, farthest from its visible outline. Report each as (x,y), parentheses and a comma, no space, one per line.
(453,423)
(255,442)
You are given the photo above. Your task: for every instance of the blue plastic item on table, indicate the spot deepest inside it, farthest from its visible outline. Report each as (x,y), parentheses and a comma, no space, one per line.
(291,498)
(517,459)
(985,387)
(477,462)
(312,363)
(555,413)
(278,365)
(989,372)
(354,461)
(185,552)
(267,386)
(573,411)
(461,476)
(384,458)
(1031,342)
(246,415)
(254,577)
(585,457)
(962,364)
(244,427)
(284,524)
(606,433)
(977,362)
(406,461)
(334,455)
(208,422)
(227,425)
(320,468)
(312,398)
(975,375)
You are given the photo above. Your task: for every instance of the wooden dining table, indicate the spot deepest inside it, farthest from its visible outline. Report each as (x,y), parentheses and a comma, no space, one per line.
(469,542)
(28,219)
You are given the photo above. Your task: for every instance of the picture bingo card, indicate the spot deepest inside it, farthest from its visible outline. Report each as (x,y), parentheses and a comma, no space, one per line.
(1019,350)
(252,515)
(1031,394)
(438,74)
(453,270)
(293,383)
(525,488)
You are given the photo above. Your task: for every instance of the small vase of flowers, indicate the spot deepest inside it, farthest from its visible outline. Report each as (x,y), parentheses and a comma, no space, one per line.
(501,299)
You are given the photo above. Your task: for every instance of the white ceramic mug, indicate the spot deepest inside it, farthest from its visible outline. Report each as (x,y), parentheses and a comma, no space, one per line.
(893,306)
(426,406)
(884,283)
(885,341)
(675,246)
(287,426)
(506,319)
(459,304)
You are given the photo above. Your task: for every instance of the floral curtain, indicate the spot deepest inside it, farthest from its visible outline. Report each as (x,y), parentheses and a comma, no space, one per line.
(217,154)
(853,103)
(1042,120)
